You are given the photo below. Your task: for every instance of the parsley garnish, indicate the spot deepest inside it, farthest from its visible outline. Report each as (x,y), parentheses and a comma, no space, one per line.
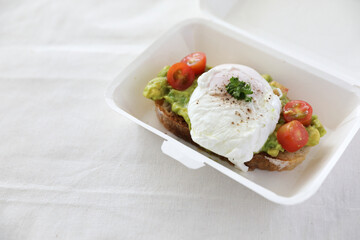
(239,89)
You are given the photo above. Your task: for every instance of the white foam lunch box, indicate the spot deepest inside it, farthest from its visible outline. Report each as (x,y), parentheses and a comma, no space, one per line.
(335,99)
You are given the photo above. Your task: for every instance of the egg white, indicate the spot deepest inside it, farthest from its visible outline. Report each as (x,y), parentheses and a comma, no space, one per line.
(229,127)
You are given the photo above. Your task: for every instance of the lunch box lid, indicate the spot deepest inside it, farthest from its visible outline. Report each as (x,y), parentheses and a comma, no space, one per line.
(335,43)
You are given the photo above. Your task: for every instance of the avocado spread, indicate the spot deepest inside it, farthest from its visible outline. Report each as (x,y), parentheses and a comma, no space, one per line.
(315,131)
(158,88)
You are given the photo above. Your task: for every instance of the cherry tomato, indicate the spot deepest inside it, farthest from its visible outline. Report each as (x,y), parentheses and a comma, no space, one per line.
(292,136)
(298,110)
(197,62)
(180,76)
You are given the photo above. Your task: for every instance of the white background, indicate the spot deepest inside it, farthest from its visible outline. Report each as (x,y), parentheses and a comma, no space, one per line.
(71,168)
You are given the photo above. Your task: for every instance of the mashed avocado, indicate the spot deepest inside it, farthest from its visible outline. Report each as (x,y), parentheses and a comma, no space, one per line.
(315,122)
(179,101)
(315,131)
(275,86)
(267,77)
(158,88)
(272,146)
(314,136)
(164,71)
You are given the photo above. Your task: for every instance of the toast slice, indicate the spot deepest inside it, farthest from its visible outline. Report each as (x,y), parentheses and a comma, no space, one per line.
(177,125)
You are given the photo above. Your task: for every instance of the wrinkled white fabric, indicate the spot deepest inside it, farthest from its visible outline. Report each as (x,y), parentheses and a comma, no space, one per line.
(71,168)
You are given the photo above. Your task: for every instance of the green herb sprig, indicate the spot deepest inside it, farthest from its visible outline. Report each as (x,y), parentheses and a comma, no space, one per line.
(239,89)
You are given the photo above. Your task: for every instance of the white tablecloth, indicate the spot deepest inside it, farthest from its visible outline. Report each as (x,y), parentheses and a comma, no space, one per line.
(71,168)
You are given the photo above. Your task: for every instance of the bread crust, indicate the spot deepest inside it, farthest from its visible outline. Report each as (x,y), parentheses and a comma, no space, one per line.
(178,126)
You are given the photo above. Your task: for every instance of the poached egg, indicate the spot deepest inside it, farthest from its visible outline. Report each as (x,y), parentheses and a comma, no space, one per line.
(229,127)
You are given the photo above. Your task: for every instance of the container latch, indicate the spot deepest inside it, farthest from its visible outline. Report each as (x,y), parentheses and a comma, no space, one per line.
(183,154)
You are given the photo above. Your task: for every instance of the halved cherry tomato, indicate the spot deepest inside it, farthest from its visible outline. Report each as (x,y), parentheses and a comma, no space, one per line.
(180,76)
(197,62)
(292,136)
(298,110)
